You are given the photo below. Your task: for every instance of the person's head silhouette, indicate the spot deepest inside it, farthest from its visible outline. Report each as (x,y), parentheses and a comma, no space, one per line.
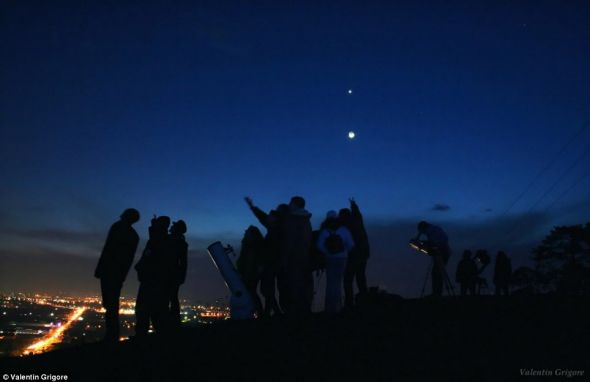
(423,226)
(297,202)
(159,226)
(282,209)
(178,228)
(253,234)
(130,216)
(332,220)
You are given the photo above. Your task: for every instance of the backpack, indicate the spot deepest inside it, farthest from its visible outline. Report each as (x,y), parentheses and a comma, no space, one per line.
(334,243)
(317,258)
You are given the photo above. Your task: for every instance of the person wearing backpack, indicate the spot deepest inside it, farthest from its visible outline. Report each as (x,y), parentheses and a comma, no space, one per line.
(335,242)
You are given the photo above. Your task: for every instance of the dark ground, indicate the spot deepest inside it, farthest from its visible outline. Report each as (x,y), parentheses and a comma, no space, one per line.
(461,339)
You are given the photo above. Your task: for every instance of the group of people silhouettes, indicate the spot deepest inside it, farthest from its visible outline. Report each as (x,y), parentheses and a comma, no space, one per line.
(160,270)
(279,263)
(468,273)
(285,258)
(469,268)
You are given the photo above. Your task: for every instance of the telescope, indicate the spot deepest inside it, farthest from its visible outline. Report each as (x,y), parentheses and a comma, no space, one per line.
(482,256)
(241,304)
(420,246)
(437,263)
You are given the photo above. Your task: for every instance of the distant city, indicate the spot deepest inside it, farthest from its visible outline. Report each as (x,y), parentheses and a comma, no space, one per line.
(37,323)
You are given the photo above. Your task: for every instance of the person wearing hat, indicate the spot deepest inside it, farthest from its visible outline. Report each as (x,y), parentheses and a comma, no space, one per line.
(335,242)
(178,254)
(113,266)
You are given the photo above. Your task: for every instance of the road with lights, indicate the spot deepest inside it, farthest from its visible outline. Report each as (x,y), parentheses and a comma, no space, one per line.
(54,336)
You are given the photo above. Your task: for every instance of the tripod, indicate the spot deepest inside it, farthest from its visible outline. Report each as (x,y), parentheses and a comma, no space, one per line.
(440,266)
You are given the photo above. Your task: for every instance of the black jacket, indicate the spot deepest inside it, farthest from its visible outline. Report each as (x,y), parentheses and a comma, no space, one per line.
(272,241)
(178,249)
(155,265)
(118,252)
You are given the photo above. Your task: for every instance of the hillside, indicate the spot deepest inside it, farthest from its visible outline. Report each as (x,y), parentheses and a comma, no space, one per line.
(478,339)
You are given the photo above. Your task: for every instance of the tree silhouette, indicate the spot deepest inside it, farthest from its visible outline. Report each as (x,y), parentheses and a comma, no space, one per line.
(563,260)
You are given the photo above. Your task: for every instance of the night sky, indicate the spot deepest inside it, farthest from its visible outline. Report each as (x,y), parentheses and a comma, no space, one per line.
(184,108)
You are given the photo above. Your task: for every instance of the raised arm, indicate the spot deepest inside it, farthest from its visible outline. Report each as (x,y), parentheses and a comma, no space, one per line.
(260,215)
(354,208)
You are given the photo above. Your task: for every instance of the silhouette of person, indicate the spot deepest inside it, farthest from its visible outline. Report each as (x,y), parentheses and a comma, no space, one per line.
(249,263)
(357,258)
(467,273)
(296,280)
(335,242)
(502,274)
(154,271)
(178,248)
(271,254)
(439,250)
(113,266)
(279,276)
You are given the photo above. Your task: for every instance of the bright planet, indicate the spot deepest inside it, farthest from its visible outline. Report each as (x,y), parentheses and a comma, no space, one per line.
(351,135)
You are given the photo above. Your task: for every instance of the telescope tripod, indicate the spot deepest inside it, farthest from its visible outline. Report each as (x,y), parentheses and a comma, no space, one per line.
(440,266)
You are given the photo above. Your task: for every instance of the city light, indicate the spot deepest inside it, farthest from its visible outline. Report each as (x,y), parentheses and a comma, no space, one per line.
(35,323)
(54,336)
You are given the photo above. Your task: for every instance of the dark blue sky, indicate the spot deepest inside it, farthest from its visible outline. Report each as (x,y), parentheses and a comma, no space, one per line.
(183,109)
